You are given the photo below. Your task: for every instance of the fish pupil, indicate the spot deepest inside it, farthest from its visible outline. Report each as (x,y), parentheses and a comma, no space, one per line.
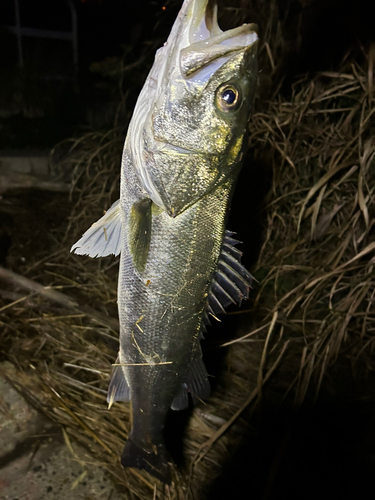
(229,96)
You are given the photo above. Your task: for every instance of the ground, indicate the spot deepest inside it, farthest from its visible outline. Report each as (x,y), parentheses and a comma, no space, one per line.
(37,459)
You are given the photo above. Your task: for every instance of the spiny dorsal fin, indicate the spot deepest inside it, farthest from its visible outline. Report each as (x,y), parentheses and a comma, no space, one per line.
(140,232)
(104,236)
(118,389)
(231,281)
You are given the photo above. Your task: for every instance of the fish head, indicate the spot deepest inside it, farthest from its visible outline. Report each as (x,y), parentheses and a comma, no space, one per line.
(201,90)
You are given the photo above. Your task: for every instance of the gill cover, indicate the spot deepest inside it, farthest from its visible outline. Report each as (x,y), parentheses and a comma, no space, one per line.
(185,141)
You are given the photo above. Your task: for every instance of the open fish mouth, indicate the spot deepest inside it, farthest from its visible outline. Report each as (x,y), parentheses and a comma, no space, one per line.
(180,78)
(203,49)
(207,42)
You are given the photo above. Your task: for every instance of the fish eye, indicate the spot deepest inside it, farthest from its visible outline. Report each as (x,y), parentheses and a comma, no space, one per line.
(228,98)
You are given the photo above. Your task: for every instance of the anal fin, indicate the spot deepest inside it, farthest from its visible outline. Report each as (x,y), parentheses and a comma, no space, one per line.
(118,389)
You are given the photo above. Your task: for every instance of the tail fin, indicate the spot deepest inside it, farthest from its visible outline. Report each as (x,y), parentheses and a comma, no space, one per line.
(154,461)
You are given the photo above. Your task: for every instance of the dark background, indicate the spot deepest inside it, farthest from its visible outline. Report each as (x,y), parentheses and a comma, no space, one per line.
(45,101)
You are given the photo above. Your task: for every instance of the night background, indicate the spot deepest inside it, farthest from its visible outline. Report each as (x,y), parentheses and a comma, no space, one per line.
(308,436)
(49,85)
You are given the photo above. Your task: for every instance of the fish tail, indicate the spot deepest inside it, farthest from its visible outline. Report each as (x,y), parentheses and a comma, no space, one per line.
(153,460)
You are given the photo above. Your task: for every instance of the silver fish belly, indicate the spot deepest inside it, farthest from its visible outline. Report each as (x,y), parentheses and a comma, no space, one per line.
(178,264)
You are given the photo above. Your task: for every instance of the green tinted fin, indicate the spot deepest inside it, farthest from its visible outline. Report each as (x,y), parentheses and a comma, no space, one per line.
(103,237)
(195,382)
(118,389)
(140,232)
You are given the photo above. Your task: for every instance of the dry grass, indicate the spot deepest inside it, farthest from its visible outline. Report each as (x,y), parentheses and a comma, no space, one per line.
(315,299)
(318,254)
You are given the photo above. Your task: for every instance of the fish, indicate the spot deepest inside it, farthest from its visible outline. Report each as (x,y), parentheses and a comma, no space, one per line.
(179,265)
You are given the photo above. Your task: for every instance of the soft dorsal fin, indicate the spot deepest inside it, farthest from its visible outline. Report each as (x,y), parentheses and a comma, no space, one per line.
(181,399)
(104,236)
(195,382)
(231,281)
(140,232)
(118,389)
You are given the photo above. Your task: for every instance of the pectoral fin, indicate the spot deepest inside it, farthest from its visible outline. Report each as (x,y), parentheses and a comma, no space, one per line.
(140,232)
(104,236)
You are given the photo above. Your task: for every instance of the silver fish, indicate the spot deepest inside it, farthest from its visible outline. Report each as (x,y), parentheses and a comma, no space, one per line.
(181,157)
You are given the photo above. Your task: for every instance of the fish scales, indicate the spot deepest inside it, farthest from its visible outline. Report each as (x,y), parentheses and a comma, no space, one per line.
(178,263)
(163,307)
